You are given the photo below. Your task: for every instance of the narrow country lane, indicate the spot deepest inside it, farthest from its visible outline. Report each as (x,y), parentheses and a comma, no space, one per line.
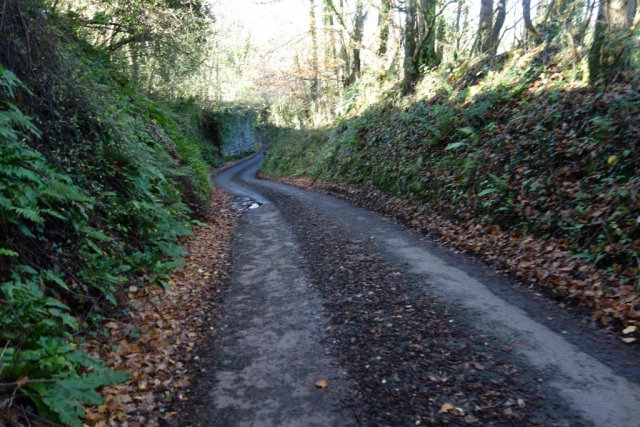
(404,332)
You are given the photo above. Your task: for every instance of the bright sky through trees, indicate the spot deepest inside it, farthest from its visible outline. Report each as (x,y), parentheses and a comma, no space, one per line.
(280,23)
(278,30)
(270,22)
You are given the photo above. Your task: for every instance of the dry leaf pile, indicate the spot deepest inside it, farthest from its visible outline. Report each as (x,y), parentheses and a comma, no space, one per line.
(539,261)
(155,342)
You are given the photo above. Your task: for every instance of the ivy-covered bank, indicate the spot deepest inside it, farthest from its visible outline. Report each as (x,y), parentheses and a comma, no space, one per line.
(510,145)
(98,184)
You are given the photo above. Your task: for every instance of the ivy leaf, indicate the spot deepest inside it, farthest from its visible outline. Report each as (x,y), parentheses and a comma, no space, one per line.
(8,252)
(455,145)
(487,191)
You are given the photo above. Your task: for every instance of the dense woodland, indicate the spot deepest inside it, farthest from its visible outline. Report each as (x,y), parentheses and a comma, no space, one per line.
(515,121)
(408,40)
(510,134)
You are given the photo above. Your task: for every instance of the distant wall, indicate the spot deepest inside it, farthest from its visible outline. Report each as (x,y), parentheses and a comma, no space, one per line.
(236,130)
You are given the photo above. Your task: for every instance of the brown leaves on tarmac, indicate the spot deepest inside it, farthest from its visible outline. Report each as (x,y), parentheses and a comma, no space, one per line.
(470,419)
(446,407)
(543,262)
(168,324)
(322,384)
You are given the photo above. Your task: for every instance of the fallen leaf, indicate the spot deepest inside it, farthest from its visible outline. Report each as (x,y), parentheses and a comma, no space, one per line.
(459,412)
(629,330)
(470,419)
(322,384)
(112,325)
(445,408)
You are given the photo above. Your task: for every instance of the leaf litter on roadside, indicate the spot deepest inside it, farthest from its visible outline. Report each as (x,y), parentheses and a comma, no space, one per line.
(322,384)
(408,363)
(543,262)
(155,342)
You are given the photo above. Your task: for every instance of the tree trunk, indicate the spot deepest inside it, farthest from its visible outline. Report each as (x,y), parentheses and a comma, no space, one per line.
(427,55)
(314,49)
(483,40)
(357,32)
(383,26)
(586,19)
(411,72)
(345,64)
(609,53)
(501,14)
(531,32)
(458,35)
(331,56)
(440,40)
(135,61)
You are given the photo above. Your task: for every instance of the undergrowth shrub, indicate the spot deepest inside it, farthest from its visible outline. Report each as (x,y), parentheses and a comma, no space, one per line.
(37,357)
(98,184)
(514,141)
